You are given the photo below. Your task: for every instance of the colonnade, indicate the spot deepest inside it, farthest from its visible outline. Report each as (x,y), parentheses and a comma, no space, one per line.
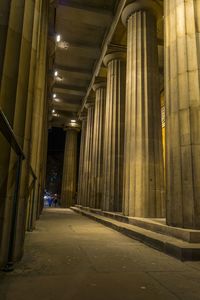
(23,57)
(121,166)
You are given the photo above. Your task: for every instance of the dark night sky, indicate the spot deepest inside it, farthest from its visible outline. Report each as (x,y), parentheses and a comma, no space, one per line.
(56,141)
(56,146)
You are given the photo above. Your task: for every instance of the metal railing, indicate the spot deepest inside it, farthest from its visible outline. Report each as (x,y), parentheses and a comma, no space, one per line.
(31,197)
(9,135)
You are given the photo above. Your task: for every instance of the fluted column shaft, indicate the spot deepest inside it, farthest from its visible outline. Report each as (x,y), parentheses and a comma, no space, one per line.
(20,116)
(22,31)
(39,104)
(143,161)
(114,133)
(69,169)
(182,58)
(97,149)
(81,161)
(4,11)
(39,15)
(13,66)
(88,155)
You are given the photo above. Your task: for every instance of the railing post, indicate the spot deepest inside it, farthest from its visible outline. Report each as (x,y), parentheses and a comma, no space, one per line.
(9,266)
(32,207)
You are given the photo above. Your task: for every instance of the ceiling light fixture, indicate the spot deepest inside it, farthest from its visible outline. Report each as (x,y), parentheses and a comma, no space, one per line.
(64,45)
(58,38)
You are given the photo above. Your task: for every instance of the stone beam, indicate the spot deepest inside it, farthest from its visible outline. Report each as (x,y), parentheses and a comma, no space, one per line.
(68,107)
(69,90)
(86,72)
(69,87)
(107,41)
(84,7)
(84,50)
(85,14)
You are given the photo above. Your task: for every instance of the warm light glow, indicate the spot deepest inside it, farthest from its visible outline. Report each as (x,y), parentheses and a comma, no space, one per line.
(73,121)
(54,96)
(53,111)
(58,38)
(56,73)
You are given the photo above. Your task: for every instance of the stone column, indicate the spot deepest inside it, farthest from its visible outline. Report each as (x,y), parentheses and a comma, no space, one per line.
(81,160)
(4,19)
(39,15)
(69,179)
(88,154)
(182,59)
(114,132)
(39,102)
(97,147)
(19,122)
(143,162)
(12,63)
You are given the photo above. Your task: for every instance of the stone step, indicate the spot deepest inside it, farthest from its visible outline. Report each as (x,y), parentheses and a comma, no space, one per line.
(155,225)
(175,247)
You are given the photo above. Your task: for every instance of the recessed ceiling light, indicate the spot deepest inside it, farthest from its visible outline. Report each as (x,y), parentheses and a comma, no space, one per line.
(64,45)
(59,78)
(58,38)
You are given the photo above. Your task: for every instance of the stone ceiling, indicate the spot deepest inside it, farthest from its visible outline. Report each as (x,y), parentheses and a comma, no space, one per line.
(88,28)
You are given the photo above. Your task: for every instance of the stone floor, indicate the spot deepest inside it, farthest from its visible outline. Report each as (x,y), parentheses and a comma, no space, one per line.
(72,257)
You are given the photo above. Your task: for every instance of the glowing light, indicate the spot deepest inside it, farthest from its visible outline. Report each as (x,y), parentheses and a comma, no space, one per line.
(58,38)
(56,73)
(54,96)
(73,121)
(53,111)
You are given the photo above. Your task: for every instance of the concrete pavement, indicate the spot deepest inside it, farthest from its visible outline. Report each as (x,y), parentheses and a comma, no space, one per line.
(70,257)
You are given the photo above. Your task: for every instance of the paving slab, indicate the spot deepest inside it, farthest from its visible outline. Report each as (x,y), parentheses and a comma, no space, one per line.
(70,257)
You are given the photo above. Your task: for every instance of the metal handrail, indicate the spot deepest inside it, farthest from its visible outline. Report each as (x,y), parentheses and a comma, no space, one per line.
(8,133)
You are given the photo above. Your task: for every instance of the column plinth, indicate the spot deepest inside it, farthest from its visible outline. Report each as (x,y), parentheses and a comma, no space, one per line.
(114,132)
(143,188)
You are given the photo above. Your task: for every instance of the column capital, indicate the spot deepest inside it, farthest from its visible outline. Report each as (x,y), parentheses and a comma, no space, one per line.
(141,5)
(83,116)
(99,85)
(72,126)
(89,105)
(119,55)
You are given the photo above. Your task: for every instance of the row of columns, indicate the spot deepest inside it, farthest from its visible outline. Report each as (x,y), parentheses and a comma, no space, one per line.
(23,100)
(121,166)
